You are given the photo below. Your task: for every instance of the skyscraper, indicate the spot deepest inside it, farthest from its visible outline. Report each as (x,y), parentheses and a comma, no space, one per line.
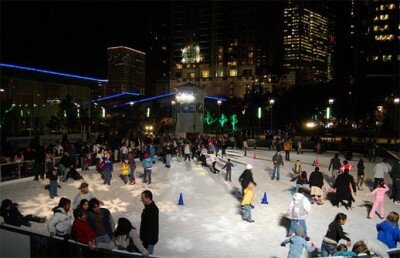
(306,43)
(220,46)
(126,70)
(383,51)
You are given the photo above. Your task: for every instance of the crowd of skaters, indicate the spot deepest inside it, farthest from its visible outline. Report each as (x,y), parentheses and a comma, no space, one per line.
(203,148)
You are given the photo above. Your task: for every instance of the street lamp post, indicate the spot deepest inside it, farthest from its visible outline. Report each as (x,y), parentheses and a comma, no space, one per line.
(271,103)
(173,103)
(219,102)
(396,126)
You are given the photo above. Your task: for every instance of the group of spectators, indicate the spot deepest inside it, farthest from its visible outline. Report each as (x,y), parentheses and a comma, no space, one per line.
(86,222)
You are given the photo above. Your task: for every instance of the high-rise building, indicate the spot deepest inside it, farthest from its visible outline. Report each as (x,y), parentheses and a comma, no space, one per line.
(157,51)
(306,43)
(221,46)
(383,33)
(126,70)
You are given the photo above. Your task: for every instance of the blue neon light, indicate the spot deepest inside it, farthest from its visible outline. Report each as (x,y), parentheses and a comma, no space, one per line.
(215,98)
(132,93)
(143,100)
(52,72)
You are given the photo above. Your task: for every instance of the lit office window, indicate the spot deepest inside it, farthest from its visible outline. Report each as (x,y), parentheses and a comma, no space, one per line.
(205,73)
(191,75)
(233,72)
(391,6)
(219,72)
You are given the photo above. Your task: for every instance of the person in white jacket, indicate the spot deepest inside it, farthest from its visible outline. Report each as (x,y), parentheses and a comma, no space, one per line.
(61,222)
(380,170)
(213,159)
(299,207)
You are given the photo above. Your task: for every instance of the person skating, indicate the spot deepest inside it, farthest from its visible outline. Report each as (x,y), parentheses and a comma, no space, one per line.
(334,234)
(132,167)
(360,174)
(246,202)
(84,193)
(213,159)
(246,177)
(287,147)
(297,244)
(53,174)
(108,168)
(297,167)
(228,165)
(301,180)
(343,191)
(278,162)
(395,175)
(388,230)
(380,192)
(299,207)
(316,183)
(147,167)
(124,171)
(335,166)
(380,170)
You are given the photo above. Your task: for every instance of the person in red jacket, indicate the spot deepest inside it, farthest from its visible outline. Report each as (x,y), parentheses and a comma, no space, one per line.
(82,232)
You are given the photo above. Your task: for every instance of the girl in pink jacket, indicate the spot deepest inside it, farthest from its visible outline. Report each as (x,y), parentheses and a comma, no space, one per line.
(380,195)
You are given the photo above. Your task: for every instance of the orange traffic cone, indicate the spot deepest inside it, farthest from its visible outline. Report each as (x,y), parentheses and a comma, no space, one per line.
(317,161)
(254,155)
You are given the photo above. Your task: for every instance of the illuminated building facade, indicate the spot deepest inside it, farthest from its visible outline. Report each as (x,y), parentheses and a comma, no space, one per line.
(220,46)
(33,97)
(307,46)
(383,48)
(126,70)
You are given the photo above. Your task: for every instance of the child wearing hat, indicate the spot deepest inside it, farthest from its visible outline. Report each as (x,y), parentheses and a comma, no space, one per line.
(297,243)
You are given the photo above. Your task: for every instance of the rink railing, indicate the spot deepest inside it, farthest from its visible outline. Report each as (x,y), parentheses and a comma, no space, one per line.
(24,242)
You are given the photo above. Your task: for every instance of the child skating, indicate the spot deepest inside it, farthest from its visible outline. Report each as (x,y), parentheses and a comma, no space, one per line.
(124,171)
(380,195)
(228,167)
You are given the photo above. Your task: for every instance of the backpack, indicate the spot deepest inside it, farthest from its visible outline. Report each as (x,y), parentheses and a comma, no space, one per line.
(298,210)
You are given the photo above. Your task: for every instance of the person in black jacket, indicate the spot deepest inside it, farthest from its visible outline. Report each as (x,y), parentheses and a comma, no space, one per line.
(149,224)
(343,191)
(12,216)
(335,165)
(39,166)
(316,183)
(246,177)
(334,234)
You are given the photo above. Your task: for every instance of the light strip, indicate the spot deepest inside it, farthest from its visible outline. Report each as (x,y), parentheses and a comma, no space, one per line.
(144,100)
(51,72)
(215,98)
(114,96)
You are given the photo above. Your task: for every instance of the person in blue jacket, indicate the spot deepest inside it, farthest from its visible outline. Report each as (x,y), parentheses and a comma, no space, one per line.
(388,230)
(297,243)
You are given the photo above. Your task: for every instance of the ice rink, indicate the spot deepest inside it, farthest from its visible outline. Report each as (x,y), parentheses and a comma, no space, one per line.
(209,223)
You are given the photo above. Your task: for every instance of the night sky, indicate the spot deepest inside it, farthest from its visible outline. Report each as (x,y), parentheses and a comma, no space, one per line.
(72,36)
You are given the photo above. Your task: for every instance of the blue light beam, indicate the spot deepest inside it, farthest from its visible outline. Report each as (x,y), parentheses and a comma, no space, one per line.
(24,68)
